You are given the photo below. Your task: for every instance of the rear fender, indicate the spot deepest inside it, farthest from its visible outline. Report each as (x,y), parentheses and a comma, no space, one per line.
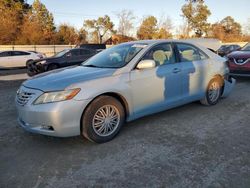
(228,86)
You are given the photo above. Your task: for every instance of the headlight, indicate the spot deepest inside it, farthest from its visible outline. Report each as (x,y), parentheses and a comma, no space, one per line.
(57,96)
(43,62)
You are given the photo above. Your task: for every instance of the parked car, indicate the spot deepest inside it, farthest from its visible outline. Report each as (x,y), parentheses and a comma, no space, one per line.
(64,58)
(226,49)
(13,59)
(239,62)
(121,84)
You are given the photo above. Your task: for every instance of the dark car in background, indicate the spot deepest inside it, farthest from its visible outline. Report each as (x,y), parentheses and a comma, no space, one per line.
(239,61)
(226,49)
(65,58)
(97,47)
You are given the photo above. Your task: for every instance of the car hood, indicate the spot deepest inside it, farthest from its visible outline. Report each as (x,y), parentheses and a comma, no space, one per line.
(239,54)
(48,59)
(61,78)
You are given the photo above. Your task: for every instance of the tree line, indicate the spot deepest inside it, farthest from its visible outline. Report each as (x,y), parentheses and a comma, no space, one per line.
(22,23)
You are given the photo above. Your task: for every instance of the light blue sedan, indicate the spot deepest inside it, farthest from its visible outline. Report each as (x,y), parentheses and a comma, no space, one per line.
(121,84)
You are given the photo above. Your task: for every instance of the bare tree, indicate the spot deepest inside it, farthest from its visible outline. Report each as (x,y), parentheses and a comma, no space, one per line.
(183,30)
(126,18)
(165,22)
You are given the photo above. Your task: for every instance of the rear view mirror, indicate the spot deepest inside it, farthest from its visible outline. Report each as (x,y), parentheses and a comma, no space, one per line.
(146,64)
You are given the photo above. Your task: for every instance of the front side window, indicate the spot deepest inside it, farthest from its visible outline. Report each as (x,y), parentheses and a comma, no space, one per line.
(162,54)
(74,53)
(190,53)
(62,53)
(115,57)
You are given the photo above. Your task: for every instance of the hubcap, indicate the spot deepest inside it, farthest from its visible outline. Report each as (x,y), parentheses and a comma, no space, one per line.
(106,120)
(214,91)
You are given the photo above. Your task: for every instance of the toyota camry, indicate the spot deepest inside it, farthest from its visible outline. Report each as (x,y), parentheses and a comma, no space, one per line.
(121,84)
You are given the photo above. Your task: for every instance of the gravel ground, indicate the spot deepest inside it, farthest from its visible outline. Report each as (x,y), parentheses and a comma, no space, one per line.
(190,146)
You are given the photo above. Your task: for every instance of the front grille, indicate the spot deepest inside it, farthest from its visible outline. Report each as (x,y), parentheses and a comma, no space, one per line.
(241,61)
(23,97)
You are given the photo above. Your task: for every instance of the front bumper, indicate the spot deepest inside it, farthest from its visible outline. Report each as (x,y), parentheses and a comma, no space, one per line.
(60,119)
(228,86)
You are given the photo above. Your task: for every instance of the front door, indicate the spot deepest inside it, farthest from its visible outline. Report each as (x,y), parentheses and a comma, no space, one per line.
(159,88)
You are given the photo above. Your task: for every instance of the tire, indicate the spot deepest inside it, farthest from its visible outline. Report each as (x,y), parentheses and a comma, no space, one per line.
(99,127)
(28,62)
(52,67)
(212,94)
(29,71)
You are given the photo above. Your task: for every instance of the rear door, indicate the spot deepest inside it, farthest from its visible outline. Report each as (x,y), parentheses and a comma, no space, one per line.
(5,59)
(19,58)
(195,71)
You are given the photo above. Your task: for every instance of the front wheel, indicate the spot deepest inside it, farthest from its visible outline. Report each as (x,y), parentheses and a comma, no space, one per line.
(213,92)
(103,119)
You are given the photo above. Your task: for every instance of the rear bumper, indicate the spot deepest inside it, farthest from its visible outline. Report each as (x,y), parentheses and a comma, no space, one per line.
(228,86)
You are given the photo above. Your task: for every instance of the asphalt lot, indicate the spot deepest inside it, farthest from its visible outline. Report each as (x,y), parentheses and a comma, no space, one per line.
(189,146)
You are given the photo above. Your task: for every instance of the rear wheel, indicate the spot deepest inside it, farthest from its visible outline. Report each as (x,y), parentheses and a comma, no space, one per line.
(213,93)
(103,119)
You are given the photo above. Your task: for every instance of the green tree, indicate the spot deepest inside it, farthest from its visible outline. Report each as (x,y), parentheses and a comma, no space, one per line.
(231,26)
(148,28)
(196,14)
(66,34)
(100,26)
(162,33)
(82,36)
(11,19)
(38,26)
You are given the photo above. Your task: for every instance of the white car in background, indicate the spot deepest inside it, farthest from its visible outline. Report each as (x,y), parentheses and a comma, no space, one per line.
(11,59)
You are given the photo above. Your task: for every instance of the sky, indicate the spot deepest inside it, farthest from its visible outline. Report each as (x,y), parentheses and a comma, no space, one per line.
(75,12)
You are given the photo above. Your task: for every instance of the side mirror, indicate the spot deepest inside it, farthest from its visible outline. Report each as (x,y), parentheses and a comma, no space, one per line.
(146,64)
(68,55)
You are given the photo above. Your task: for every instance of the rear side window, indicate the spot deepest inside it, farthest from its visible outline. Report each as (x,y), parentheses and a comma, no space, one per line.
(162,54)
(190,53)
(85,52)
(5,54)
(18,53)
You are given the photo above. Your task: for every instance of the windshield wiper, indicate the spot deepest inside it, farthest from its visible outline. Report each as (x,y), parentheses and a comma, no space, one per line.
(90,66)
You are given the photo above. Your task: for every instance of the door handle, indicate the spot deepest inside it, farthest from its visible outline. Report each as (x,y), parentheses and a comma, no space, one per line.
(176,70)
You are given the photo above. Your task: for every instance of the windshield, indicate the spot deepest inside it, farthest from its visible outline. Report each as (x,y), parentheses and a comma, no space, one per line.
(115,57)
(223,47)
(246,48)
(60,54)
